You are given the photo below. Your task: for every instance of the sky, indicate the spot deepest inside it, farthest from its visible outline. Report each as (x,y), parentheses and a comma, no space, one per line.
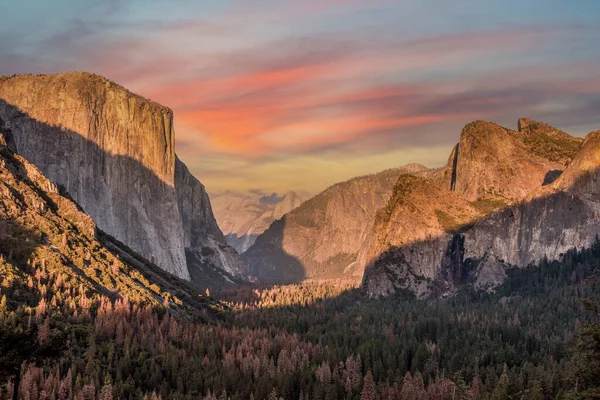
(277,95)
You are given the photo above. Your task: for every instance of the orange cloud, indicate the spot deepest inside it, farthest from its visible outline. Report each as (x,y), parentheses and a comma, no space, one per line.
(296,96)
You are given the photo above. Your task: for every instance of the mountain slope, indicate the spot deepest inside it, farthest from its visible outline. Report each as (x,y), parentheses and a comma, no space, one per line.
(322,237)
(506,212)
(419,211)
(113,152)
(242,217)
(45,237)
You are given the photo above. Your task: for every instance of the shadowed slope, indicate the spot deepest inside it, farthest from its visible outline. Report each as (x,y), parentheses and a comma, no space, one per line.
(43,232)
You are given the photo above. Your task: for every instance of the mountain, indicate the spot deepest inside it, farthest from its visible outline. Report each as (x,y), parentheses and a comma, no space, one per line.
(322,237)
(492,162)
(113,152)
(242,217)
(46,238)
(506,199)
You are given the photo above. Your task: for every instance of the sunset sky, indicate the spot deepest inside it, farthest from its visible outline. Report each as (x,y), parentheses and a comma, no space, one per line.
(277,95)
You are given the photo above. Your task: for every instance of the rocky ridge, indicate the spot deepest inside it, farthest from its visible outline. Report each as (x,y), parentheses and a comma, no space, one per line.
(506,199)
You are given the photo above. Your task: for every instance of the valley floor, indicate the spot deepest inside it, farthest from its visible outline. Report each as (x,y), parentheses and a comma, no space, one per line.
(307,341)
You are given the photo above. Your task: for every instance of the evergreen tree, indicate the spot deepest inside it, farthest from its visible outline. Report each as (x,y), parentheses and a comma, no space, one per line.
(368,391)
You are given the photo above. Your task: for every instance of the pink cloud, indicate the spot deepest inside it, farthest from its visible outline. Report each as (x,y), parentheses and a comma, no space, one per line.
(297,95)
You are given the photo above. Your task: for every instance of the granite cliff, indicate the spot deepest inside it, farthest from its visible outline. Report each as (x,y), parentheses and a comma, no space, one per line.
(492,162)
(506,199)
(113,152)
(242,217)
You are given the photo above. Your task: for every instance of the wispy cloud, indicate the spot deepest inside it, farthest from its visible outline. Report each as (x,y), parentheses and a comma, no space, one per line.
(266,86)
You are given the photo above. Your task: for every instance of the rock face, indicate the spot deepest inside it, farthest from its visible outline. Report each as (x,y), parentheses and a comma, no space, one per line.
(113,152)
(323,237)
(503,201)
(209,258)
(242,217)
(291,200)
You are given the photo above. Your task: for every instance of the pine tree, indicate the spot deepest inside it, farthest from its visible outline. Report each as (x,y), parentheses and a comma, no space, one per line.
(368,392)
(408,390)
(106,392)
(535,392)
(3,307)
(460,390)
(89,392)
(501,390)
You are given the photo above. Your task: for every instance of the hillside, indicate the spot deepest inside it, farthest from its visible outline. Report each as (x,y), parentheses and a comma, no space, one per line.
(48,245)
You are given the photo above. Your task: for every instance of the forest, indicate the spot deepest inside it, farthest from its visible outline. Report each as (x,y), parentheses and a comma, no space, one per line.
(536,337)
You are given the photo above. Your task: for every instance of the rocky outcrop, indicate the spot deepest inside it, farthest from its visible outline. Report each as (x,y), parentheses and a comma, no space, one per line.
(495,219)
(492,162)
(242,217)
(113,152)
(582,169)
(548,142)
(323,237)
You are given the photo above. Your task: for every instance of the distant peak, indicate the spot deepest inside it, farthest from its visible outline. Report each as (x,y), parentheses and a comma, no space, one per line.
(414,167)
(480,129)
(296,193)
(531,126)
(480,126)
(271,199)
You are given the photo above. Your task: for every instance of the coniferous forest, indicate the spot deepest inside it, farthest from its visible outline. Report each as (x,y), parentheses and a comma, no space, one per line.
(536,337)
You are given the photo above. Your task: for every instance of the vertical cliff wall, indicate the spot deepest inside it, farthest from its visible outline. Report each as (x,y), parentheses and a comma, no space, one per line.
(113,153)
(205,244)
